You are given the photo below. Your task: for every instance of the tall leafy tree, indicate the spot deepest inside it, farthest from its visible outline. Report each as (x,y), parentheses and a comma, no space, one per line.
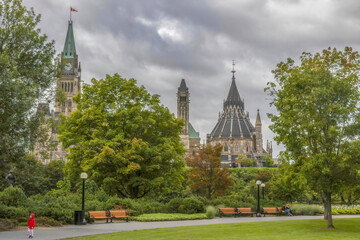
(53,172)
(29,174)
(318,118)
(27,70)
(123,138)
(207,174)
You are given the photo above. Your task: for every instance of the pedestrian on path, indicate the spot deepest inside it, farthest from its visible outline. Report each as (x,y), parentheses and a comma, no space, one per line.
(31,225)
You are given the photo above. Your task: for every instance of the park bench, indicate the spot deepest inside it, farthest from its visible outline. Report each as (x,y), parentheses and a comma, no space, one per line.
(270,211)
(281,211)
(245,211)
(223,211)
(93,215)
(119,214)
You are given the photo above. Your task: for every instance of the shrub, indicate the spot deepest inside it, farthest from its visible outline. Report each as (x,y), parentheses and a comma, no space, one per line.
(336,210)
(13,196)
(126,203)
(6,224)
(191,205)
(150,206)
(303,209)
(168,217)
(174,205)
(18,213)
(210,212)
(47,222)
(94,205)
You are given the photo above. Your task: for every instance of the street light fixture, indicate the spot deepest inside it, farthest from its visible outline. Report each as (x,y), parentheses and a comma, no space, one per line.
(263,189)
(258,213)
(83,176)
(79,217)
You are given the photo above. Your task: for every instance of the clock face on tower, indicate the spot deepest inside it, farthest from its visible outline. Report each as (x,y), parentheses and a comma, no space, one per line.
(68,66)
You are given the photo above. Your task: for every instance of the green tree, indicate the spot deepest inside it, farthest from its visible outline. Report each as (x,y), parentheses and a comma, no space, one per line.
(27,70)
(244,161)
(123,138)
(53,172)
(207,174)
(318,118)
(29,173)
(288,185)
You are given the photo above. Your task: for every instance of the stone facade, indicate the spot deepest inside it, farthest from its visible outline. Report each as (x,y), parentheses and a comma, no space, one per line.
(70,84)
(189,137)
(236,133)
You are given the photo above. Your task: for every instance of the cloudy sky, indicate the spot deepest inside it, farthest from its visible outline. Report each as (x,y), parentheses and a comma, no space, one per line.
(159,42)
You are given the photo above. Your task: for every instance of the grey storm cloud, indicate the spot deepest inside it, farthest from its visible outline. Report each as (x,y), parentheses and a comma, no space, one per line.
(159,42)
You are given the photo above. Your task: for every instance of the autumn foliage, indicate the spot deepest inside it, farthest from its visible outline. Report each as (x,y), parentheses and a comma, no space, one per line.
(206,173)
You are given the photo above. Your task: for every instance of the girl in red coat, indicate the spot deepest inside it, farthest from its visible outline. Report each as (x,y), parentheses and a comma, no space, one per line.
(31,224)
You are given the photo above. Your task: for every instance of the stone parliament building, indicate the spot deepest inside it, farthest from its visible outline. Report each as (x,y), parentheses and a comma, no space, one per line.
(70,83)
(233,130)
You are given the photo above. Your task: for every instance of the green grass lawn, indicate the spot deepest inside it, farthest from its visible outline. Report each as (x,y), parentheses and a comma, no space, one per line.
(152,217)
(294,229)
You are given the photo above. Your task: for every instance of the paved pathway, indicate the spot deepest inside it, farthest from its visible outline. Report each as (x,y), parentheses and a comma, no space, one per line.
(100,228)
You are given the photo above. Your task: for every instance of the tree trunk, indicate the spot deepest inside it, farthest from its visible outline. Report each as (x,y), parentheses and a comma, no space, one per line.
(328,210)
(325,207)
(325,211)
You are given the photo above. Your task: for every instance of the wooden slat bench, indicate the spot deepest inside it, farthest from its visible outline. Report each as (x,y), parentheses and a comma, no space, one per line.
(270,211)
(281,211)
(245,211)
(119,214)
(99,215)
(232,211)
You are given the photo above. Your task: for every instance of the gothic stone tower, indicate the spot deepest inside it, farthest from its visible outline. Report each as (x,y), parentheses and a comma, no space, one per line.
(70,80)
(235,131)
(189,137)
(70,83)
(183,105)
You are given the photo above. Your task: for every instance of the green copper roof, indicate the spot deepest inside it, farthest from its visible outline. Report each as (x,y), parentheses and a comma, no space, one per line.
(69,46)
(192,132)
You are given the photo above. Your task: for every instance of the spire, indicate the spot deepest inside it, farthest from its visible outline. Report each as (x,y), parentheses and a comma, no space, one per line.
(69,46)
(183,87)
(233,97)
(233,71)
(258,120)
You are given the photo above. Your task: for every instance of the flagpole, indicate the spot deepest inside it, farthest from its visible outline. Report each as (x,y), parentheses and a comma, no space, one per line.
(70,14)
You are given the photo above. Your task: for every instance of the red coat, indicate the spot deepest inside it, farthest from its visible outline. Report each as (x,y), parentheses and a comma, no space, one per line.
(31,221)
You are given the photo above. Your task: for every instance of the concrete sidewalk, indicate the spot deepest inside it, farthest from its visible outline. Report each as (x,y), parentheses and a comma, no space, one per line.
(100,228)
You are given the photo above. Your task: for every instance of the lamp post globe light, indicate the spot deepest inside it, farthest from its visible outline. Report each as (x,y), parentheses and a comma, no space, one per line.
(83,176)
(263,189)
(258,213)
(79,217)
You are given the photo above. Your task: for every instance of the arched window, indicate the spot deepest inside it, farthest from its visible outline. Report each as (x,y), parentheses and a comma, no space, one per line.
(236,148)
(226,148)
(72,87)
(62,86)
(65,87)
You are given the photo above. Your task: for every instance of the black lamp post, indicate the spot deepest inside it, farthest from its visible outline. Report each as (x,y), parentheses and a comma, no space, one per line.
(79,216)
(263,189)
(83,176)
(258,213)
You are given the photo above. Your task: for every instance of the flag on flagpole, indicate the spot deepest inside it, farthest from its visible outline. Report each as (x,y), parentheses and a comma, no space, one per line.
(73,10)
